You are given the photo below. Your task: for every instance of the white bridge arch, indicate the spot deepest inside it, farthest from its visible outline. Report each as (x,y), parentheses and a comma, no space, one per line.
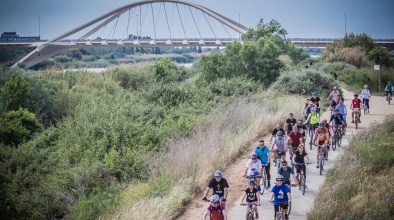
(55,46)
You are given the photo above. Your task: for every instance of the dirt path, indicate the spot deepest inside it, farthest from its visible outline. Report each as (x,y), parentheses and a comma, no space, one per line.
(301,205)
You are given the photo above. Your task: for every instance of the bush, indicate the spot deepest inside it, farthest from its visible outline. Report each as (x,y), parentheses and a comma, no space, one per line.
(63,59)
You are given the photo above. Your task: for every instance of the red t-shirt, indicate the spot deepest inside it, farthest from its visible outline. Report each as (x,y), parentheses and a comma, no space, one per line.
(295,138)
(356,103)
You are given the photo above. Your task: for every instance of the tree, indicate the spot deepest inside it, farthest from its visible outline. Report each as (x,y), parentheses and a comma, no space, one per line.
(16,93)
(18,126)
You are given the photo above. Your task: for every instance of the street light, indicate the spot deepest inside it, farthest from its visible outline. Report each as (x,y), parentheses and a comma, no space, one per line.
(39,24)
(137,26)
(345,25)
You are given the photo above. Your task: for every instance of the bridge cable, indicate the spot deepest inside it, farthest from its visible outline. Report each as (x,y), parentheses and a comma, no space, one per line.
(168,25)
(172,15)
(153,15)
(195,22)
(181,20)
(146,10)
(158,15)
(226,30)
(140,24)
(209,25)
(128,22)
(116,24)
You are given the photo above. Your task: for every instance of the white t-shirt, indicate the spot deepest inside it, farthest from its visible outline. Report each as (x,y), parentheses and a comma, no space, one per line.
(257,166)
(279,144)
(365,93)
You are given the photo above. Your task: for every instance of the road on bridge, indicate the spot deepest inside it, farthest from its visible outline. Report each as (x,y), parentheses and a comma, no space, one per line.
(301,204)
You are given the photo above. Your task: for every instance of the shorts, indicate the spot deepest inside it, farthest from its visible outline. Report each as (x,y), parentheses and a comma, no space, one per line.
(282,153)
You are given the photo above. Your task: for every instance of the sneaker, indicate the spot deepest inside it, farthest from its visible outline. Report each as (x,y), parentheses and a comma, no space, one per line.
(306,187)
(257,215)
(261,193)
(352,121)
(269,185)
(259,188)
(286,216)
(317,166)
(359,121)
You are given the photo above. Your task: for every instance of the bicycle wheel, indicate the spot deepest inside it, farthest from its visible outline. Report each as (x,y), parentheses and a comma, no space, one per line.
(356,122)
(250,216)
(279,216)
(321,163)
(303,185)
(289,209)
(300,181)
(311,139)
(388,98)
(339,140)
(264,180)
(334,144)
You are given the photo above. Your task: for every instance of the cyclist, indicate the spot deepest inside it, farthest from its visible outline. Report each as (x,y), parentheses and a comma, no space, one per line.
(276,129)
(279,146)
(251,197)
(321,137)
(316,100)
(254,167)
(215,210)
(366,95)
(333,104)
(299,160)
(306,104)
(280,193)
(337,120)
(341,107)
(286,171)
(389,89)
(294,139)
(219,187)
(308,109)
(356,105)
(333,93)
(302,129)
(327,125)
(263,153)
(313,118)
(290,122)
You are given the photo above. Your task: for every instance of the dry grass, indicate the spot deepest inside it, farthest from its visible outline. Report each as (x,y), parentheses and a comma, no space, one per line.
(192,160)
(360,184)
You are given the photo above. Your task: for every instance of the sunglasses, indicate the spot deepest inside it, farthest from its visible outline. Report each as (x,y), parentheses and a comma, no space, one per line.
(217,176)
(279,180)
(284,165)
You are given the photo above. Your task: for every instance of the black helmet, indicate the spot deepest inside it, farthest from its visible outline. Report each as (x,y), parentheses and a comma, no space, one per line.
(355,94)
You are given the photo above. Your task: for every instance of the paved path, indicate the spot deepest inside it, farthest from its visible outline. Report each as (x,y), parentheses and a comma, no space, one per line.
(301,204)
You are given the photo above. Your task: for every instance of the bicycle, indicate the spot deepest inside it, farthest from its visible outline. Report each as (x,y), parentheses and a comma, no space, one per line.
(311,133)
(321,159)
(337,139)
(356,117)
(251,212)
(264,179)
(388,98)
(302,179)
(366,110)
(280,214)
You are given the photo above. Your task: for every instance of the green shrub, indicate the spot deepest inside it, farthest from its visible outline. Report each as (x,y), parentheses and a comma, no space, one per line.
(63,59)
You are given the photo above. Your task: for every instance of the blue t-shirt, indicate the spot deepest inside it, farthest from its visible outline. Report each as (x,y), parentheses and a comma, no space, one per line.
(263,154)
(280,194)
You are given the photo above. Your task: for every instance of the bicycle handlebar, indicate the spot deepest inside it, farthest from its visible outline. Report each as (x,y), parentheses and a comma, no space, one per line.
(250,203)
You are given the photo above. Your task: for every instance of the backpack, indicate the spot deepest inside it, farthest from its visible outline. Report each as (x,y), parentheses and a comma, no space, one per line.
(217,214)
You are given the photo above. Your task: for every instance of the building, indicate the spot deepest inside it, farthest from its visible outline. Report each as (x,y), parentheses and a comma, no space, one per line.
(13,37)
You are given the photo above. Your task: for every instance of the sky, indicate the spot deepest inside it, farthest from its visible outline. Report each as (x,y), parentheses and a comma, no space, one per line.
(301,18)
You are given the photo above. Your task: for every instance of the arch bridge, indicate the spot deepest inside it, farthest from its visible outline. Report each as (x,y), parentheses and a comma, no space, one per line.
(86,34)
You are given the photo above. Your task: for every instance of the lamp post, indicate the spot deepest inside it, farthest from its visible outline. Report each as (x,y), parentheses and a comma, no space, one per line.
(345,25)
(239,25)
(39,27)
(137,26)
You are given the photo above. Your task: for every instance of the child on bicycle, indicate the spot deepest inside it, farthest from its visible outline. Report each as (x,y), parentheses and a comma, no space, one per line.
(252,198)
(356,105)
(215,210)
(280,195)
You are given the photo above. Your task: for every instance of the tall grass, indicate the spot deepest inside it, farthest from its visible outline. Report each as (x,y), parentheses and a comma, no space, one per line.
(359,186)
(190,161)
